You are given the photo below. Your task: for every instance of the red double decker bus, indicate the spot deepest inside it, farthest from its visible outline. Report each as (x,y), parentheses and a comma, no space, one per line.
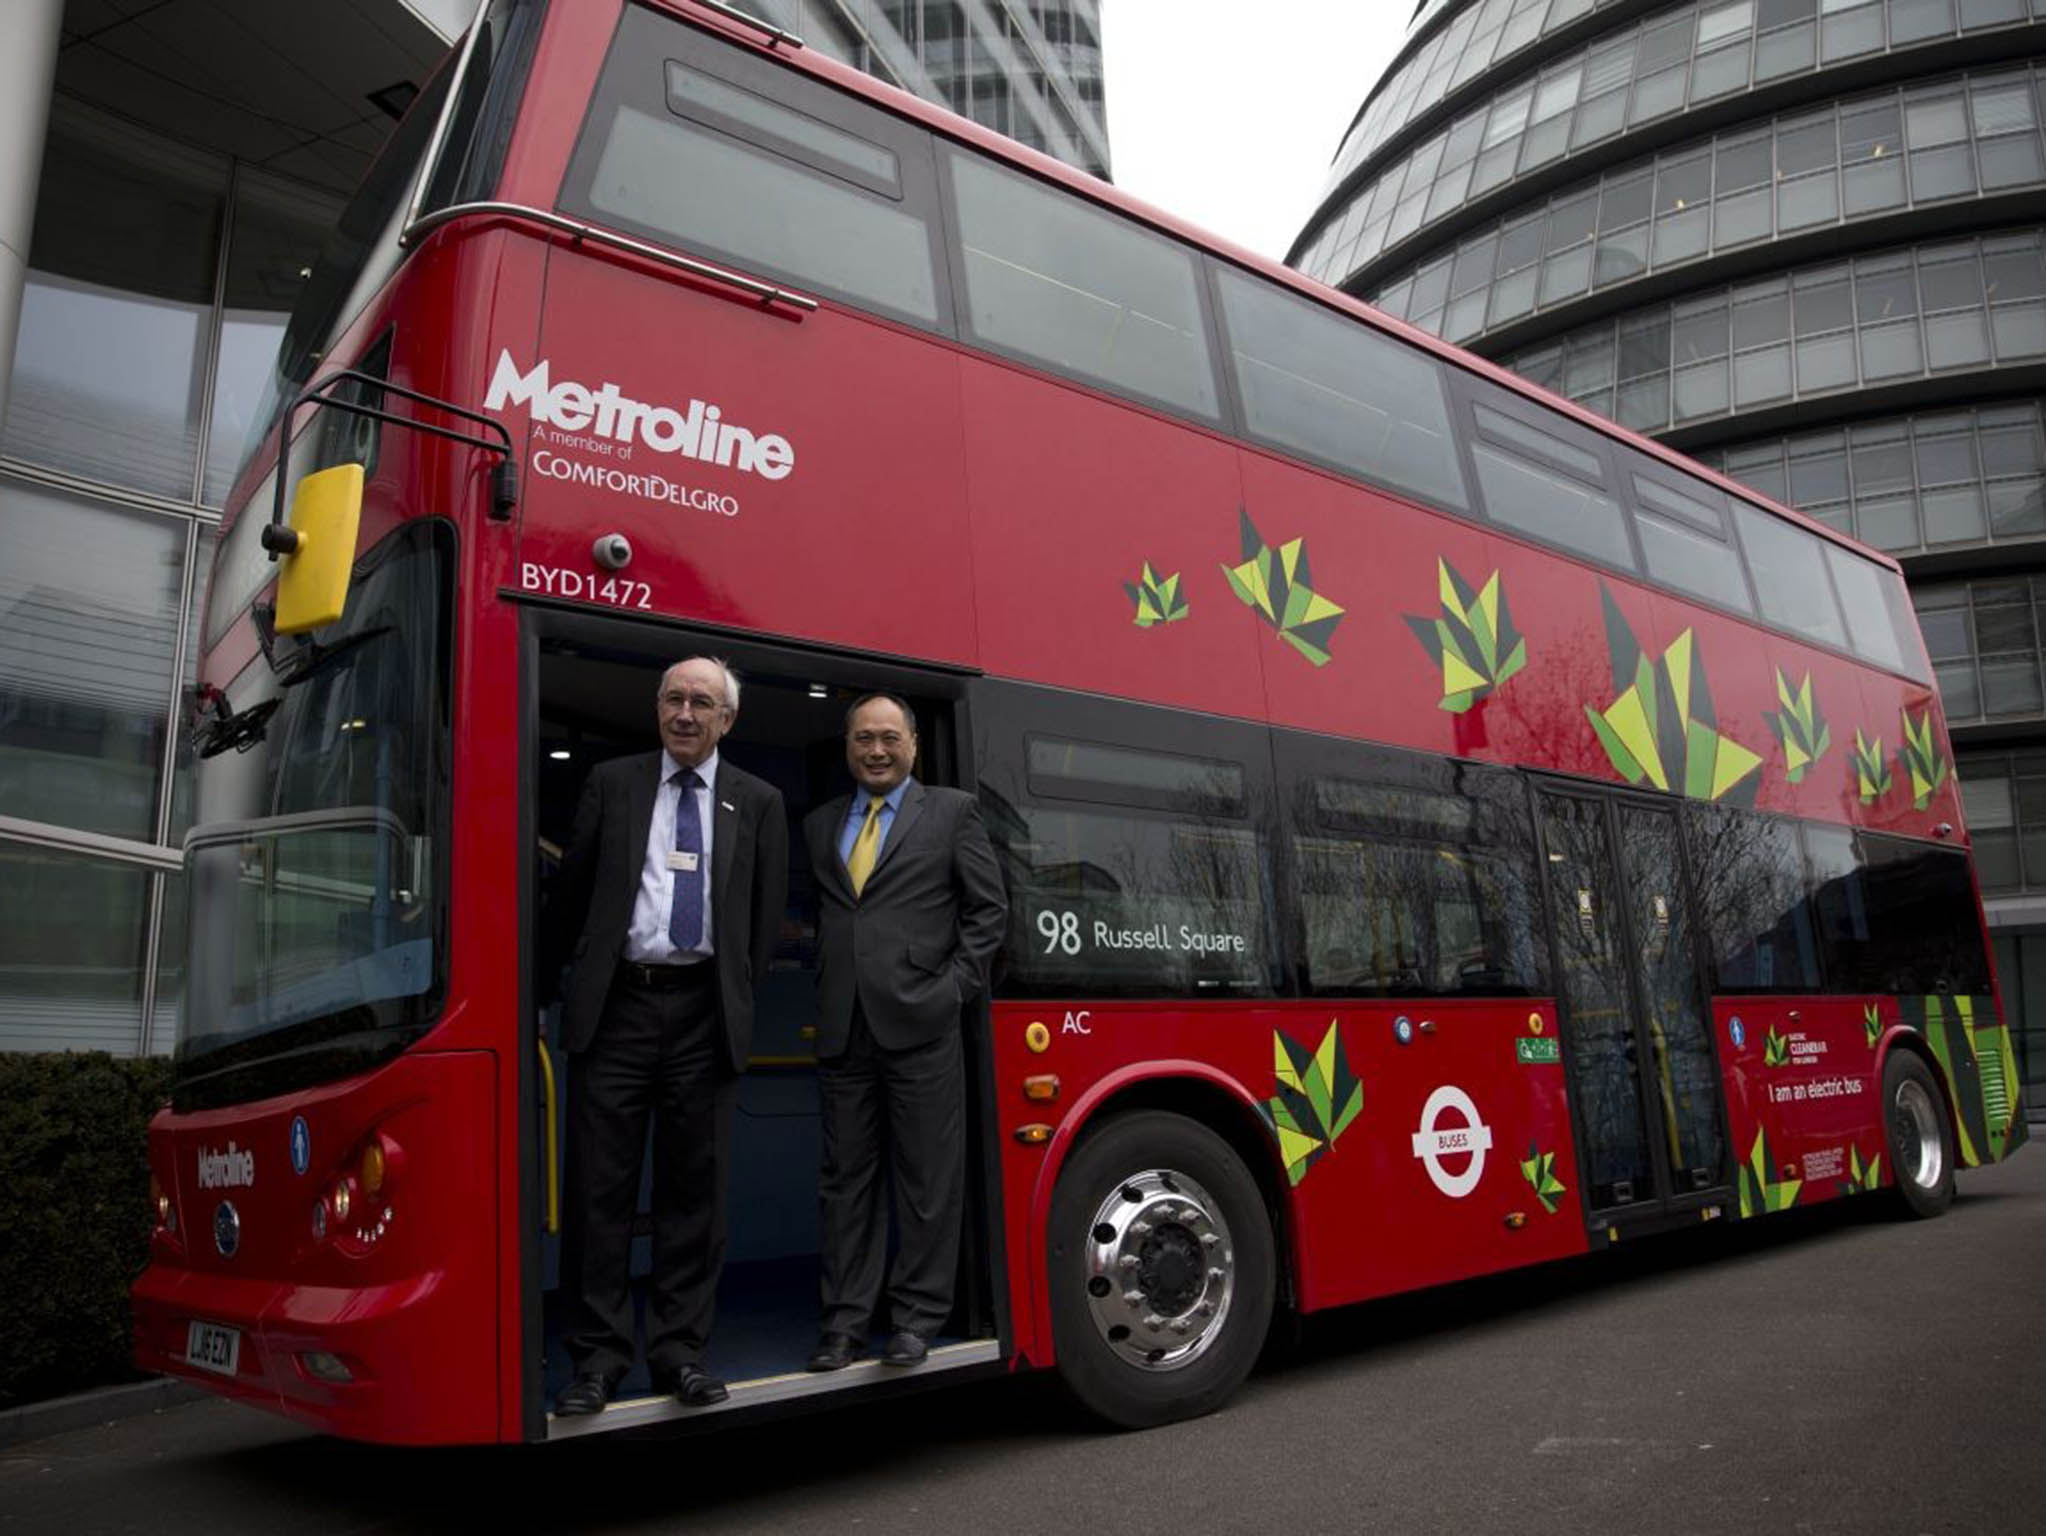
(1443,832)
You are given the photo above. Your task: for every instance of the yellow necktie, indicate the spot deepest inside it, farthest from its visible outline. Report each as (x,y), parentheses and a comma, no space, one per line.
(859,864)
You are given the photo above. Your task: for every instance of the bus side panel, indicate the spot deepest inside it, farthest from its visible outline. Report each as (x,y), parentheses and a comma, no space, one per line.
(1921,792)
(849,532)
(1803,1092)
(1444,1149)
(1073,498)
(1383,562)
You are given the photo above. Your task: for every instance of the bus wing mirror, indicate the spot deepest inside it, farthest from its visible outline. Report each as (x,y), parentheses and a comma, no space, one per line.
(317,548)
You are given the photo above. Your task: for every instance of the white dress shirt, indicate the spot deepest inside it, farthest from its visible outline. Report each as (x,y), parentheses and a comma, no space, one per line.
(647,939)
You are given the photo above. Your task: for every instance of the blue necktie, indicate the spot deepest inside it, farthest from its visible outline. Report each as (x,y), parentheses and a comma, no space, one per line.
(685,915)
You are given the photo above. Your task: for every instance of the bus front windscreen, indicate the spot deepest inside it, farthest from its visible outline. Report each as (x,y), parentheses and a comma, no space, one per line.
(316,874)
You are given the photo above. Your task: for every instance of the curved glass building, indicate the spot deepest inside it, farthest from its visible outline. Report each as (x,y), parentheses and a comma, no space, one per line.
(1803,241)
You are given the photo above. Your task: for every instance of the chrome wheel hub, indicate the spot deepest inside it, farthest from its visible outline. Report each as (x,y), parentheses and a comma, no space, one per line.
(1914,1132)
(1160,1270)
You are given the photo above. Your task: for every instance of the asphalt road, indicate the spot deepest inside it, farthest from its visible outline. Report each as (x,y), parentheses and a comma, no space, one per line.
(1829,1371)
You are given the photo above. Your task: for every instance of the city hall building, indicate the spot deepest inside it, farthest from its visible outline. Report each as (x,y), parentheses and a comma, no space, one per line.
(169,172)
(1797,239)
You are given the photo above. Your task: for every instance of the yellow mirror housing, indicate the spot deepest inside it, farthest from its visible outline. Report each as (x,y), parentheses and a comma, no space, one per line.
(326,513)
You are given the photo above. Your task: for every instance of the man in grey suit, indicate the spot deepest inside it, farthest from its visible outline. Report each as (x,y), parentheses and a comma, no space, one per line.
(912,910)
(670,891)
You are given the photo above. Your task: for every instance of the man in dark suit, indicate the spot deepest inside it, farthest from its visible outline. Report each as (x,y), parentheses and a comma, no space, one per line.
(912,910)
(671,890)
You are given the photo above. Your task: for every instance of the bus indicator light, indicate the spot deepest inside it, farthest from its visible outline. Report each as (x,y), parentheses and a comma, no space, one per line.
(1041,1089)
(1035,1134)
(1037,1036)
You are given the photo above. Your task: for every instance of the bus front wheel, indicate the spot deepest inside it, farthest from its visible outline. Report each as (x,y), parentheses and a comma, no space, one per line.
(1921,1142)
(1161,1268)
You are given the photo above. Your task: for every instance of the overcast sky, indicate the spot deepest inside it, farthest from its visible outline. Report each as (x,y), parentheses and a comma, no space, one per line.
(1228,113)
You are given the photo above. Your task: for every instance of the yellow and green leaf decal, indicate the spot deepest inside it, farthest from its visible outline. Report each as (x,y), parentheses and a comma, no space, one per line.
(1661,730)
(1871,1024)
(1775,1049)
(1759,1193)
(1277,584)
(1799,726)
(1923,761)
(1973,1045)
(1474,641)
(1539,1169)
(1316,1099)
(1871,769)
(1862,1177)
(1157,598)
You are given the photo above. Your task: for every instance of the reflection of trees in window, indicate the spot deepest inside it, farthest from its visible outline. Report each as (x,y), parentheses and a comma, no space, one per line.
(1751,888)
(1430,893)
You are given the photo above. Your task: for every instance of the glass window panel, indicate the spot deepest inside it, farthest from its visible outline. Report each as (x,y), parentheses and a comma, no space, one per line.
(2012,269)
(1871,131)
(1657,95)
(2019,330)
(1934,120)
(1511,297)
(1472,267)
(1644,345)
(1956,340)
(1760,468)
(1700,331)
(1691,562)
(2010,686)
(1591,361)
(1847,33)
(1609,67)
(1887,522)
(1643,404)
(1953,514)
(1625,200)
(1742,163)
(1888,351)
(1872,185)
(1809,145)
(1700,390)
(1566,275)
(116,311)
(1884,290)
(1937,173)
(1761,375)
(1882,461)
(1818,471)
(1509,117)
(1783,53)
(2010,442)
(1790,575)
(1520,244)
(1750,879)
(1822,302)
(1696,503)
(2016,507)
(1913,21)
(1945,450)
(1742,217)
(1666,43)
(689,183)
(2010,162)
(278,231)
(1807,201)
(1342,392)
(1621,256)
(1716,23)
(1522,494)
(1720,71)
(1776,13)
(2004,626)
(1431,287)
(1825,363)
(2002,107)
(1598,118)
(1950,279)
(1056,279)
(1684,183)
(1959,692)
(86,651)
(1990,13)
(72,936)
(1570,221)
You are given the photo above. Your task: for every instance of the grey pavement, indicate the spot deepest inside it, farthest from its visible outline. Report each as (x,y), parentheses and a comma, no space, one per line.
(1825,1372)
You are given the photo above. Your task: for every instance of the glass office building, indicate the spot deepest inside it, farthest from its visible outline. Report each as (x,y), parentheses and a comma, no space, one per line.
(168,173)
(1803,241)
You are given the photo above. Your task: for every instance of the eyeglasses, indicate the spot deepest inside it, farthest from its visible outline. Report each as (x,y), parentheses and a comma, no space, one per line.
(697,703)
(889,739)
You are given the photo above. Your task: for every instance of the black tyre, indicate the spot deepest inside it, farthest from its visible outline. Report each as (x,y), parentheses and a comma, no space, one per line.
(1918,1135)
(1162,1272)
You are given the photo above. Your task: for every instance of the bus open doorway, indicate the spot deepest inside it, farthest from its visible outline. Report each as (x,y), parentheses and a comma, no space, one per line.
(592,699)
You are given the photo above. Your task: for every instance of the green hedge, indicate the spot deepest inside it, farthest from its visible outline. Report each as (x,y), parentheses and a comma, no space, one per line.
(74,1216)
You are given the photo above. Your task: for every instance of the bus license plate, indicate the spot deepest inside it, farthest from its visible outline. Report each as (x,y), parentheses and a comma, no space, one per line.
(213,1348)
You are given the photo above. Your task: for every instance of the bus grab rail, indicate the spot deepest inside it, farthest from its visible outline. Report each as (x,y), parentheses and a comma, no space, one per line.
(596,234)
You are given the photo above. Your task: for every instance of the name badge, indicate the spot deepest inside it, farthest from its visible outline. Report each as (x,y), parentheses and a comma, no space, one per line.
(684,862)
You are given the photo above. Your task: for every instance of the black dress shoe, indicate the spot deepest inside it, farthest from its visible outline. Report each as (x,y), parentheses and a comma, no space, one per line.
(697,1388)
(588,1393)
(834,1352)
(905,1348)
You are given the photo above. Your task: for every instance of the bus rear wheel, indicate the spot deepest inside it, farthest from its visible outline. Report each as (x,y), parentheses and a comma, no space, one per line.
(1919,1137)
(1162,1270)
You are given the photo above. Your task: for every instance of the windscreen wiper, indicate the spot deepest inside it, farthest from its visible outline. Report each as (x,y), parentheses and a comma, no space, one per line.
(312,658)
